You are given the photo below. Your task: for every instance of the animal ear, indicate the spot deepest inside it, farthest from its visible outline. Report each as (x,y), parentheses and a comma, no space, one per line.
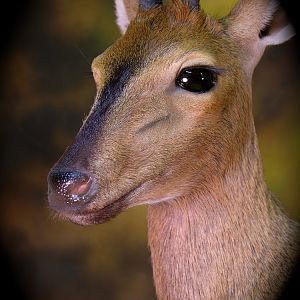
(256,24)
(126,11)
(278,31)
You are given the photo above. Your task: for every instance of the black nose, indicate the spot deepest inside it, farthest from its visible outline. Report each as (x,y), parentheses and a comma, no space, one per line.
(69,190)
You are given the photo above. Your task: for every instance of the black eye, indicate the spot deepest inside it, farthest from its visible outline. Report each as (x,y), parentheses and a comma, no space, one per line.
(197,79)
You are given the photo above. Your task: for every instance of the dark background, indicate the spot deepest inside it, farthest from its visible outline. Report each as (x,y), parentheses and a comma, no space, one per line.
(46,89)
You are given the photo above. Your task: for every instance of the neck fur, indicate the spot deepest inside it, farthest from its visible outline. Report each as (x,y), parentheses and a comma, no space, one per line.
(231,242)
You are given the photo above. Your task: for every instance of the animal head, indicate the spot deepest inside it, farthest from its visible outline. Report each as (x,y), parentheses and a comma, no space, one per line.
(172,110)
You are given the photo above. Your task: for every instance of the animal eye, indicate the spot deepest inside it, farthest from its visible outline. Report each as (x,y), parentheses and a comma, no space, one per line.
(197,79)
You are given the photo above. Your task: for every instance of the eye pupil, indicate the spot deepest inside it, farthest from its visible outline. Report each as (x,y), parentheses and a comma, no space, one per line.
(196,79)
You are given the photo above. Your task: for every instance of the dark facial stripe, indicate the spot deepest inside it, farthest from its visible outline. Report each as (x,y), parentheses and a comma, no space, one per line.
(108,97)
(92,127)
(113,90)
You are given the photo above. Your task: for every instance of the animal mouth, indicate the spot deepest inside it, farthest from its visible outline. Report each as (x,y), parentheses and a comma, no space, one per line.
(98,215)
(101,215)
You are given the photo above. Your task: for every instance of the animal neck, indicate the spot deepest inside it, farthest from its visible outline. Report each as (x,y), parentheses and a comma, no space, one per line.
(231,241)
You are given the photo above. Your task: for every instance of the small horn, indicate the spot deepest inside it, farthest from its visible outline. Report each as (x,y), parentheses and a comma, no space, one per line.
(147,4)
(193,4)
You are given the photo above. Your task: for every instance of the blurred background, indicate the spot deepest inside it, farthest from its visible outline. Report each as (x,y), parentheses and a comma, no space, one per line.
(46,90)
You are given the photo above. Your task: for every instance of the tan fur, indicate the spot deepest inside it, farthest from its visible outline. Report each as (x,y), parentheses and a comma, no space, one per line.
(229,241)
(131,8)
(126,11)
(247,22)
(214,230)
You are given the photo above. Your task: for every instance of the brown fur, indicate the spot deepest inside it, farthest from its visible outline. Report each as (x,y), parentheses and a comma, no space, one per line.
(214,230)
(229,241)
(131,7)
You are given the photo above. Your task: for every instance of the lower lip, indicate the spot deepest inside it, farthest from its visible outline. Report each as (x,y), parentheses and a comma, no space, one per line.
(90,217)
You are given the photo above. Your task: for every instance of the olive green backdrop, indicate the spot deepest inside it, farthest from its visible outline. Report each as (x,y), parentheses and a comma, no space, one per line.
(47,90)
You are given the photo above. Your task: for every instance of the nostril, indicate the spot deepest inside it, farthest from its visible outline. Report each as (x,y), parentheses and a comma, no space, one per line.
(78,188)
(72,185)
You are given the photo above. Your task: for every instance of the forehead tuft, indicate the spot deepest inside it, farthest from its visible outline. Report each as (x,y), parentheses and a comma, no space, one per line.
(175,16)
(179,12)
(161,30)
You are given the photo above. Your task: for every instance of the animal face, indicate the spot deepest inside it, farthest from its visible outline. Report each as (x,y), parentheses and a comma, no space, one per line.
(172,110)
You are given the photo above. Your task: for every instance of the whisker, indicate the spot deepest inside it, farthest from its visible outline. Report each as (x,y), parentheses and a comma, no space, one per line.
(83,55)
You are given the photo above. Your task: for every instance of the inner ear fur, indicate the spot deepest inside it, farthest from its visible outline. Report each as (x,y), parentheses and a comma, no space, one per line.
(255,24)
(261,20)
(126,11)
(249,17)
(278,30)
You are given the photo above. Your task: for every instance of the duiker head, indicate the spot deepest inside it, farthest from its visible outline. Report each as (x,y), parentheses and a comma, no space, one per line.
(172,110)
